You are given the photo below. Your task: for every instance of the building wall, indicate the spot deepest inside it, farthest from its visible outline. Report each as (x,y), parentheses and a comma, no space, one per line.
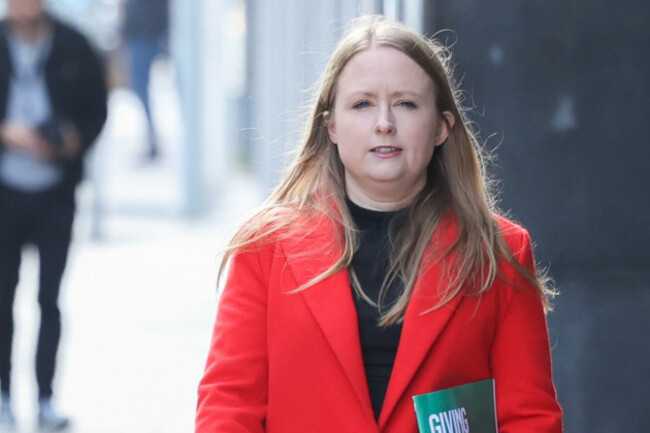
(560,89)
(564,90)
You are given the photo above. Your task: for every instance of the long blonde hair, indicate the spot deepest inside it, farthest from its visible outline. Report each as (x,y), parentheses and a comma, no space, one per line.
(456,183)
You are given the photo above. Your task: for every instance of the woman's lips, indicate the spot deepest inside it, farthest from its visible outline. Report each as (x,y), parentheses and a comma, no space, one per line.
(386,151)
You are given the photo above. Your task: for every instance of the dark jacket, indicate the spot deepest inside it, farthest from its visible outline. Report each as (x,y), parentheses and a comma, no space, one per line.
(76,86)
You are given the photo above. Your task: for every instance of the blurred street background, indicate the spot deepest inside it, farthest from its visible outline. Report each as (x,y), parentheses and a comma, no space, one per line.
(560,90)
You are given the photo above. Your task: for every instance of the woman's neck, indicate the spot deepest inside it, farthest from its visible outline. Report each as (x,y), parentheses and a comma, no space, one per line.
(380,203)
(383,196)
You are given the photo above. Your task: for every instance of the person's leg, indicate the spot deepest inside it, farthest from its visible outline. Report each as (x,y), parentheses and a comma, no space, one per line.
(52,238)
(9,266)
(142,53)
(11,230)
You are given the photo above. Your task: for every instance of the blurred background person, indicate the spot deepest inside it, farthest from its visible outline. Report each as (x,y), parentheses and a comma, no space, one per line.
(145,34)
(53,105)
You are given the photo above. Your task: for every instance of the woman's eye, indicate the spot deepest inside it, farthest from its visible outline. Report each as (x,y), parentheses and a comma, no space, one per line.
(407,104)
(361,104)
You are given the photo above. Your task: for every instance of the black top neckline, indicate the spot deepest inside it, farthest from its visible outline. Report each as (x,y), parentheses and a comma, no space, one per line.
(370,264)
(362,214)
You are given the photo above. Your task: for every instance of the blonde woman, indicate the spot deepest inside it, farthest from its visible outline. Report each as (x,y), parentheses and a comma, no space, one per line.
(378,268)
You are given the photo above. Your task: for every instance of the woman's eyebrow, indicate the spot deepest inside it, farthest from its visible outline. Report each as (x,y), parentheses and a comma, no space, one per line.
(398,94)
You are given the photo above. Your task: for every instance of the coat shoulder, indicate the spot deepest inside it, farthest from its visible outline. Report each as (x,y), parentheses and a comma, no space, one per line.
(509,227)
(515,235)
(297,232)
(67,32)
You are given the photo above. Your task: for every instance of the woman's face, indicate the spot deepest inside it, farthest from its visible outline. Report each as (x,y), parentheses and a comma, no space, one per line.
(386,127)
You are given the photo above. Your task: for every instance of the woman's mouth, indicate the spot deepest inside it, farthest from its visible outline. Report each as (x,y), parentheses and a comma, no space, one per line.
(386,151)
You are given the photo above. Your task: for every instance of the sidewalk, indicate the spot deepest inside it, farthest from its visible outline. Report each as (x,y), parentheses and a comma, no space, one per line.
(138,304)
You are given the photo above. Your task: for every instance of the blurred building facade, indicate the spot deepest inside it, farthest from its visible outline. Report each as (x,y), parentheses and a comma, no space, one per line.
(561,89)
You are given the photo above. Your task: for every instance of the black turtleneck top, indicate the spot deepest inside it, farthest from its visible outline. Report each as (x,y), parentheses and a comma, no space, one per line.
(370,264)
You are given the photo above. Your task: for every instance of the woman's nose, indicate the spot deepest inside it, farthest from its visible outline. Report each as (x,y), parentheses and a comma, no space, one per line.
(385,124)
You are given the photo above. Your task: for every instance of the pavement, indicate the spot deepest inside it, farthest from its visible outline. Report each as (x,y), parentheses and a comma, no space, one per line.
(139,295)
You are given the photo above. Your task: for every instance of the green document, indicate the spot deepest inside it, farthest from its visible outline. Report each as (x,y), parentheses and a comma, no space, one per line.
(463,409)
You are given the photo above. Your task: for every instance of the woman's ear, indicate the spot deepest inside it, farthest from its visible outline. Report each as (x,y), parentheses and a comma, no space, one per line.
(329,122)
(445,127)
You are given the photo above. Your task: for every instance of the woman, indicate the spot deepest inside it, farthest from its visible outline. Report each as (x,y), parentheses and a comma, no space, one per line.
(378,270)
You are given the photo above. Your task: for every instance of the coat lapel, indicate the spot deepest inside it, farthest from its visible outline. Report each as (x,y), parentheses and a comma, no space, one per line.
(330,301)
(332,305)
(422,327)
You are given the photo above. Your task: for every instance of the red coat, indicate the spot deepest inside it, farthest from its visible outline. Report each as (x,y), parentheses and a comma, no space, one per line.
(284,362)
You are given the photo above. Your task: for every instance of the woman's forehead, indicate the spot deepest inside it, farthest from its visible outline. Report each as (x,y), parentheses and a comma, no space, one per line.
(383,68)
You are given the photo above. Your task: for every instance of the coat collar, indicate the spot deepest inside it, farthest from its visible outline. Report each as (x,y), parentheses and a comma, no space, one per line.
(332,305)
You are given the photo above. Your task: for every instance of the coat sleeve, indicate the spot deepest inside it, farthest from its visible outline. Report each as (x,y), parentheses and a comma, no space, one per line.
(521,359)
(92,99)
(232,395)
